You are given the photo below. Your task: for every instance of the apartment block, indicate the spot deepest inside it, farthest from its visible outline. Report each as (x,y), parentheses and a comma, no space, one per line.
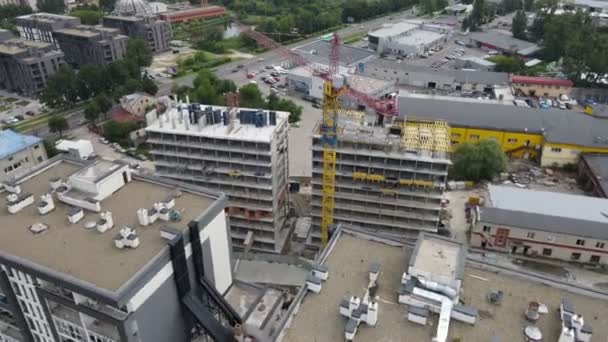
(39,27)
(149,28)
(240,152)
(26,66)
(91,252)
(91,44)
(19,152)
(388,179)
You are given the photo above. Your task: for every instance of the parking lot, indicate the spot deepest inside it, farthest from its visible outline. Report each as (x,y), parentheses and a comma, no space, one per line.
(15,108)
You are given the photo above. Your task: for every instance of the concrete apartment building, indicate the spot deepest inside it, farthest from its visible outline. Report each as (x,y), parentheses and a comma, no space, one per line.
(152,277)
(388,179)
(25,66)
(19,152)
(242,153)
(91,44)
(545,224)
(149,28)
(39,27)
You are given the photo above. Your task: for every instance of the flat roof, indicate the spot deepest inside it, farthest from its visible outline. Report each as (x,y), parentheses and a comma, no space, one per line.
(505,42)
(348,257)
(439,256)
(86,254)
(541,80)
(592,3)
(390,30)
(598,164)
(549,203)
(246,132)
(460,76)
(476,60)
(12,142)
(557,125)
(47,16)
(80,32)
(318,51)
(419,37)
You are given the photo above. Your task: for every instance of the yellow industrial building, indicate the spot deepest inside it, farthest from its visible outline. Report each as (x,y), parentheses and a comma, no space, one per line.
(550,136)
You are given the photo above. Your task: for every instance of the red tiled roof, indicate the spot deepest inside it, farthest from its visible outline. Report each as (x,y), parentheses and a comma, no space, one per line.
(120,114)
(541,80)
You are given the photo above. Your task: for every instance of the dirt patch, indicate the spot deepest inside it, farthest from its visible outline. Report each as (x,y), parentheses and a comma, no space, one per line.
(542,267)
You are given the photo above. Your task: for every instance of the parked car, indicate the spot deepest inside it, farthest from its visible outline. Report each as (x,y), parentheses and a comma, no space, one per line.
(316,105)
(308,98)
(459,42)
(250,75)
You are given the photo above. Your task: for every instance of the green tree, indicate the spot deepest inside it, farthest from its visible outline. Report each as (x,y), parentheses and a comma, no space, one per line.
(118,131)
(132,85)
(180,91)
(92,112)
(477,16)
(206,93)
(139,52)
(58,124)
(107,5)
(508,64)
(103,102)
(148,86)
(51,6)
(61,89)
(481,161)
(519,24)
(251,96)
(90,80)
(528,5)
(87,16)
(285,105)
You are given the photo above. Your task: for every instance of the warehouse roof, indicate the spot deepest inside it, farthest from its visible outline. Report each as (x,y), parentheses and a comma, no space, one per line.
(319,50)
(505,42)
(598,164)
(541,80)
(11,142)
(558,126)
(391,30)
(460,76)
(547,223)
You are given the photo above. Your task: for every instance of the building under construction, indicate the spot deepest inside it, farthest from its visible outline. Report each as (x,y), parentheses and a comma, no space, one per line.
(239,152)
(387,178)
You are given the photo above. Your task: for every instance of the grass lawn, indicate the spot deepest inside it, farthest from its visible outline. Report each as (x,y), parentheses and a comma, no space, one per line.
(22,103)
(4,108)
(353,38)
(10,99)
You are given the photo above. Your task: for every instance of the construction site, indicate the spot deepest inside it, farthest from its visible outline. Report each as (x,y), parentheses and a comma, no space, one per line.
(240,152)
(389,179)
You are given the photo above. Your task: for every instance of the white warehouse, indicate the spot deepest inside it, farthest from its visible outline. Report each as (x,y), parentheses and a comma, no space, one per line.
(407,37)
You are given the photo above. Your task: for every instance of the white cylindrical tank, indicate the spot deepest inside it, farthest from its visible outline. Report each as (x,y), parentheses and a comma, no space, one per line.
(142,217)
(372,314)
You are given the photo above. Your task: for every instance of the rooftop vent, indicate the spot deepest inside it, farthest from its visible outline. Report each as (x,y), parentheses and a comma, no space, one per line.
(46,204)
(127,237)
(12,188)
(75,214)
(55,183)
(106,222)
(38,228)
(17,202)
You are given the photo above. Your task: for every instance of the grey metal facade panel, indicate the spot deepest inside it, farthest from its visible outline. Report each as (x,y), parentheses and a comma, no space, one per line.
(208,262)
(551,224)
(160,318)
(14,306)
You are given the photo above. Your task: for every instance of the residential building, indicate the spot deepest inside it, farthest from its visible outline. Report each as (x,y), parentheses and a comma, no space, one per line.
(183,15)
(541,86)
(387,179)
(472,62)
(149,28)
(242,153)
(503,43)
(407,38)
(593,174)
(359,269)
(18,153)
(554,137)
(544,224)
(91,44)
(138,103)
(92,252)
(26,66)
(39,27)
(432,78)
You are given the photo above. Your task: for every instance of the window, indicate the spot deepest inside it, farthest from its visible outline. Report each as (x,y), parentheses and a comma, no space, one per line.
(580,242)
(594,259)
(600,245)
(575,256)
(547,251)
(512,141)
(455,135)
(556,149)
(40,159)
(454,142)
(487,229)
(36,147)
(474,137)
(531,235)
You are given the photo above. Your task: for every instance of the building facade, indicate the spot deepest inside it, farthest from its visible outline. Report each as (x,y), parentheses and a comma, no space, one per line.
(542,224)
(91,44)
(19,153)
(39,27)
(541,86)
(149,28)
(26,66)
(592,174)
(50,295)
(387,179)
(242,154)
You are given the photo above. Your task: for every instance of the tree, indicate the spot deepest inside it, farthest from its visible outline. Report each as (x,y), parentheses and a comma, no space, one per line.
(92,112)
(61,89)
(51,6)
(107,5)
(476,18)
(132,85)
(251,96)
(519,24)
(87,16)
(285,105)
(508,64)
(148,86)
(481,161)
(103,102)
(139,52)
(528,5)
(58,124)
(90,79)
(118,131)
